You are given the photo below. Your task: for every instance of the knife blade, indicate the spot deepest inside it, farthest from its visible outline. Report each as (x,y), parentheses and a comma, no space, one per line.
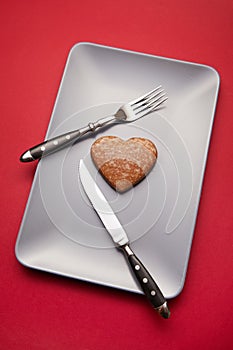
(119,236)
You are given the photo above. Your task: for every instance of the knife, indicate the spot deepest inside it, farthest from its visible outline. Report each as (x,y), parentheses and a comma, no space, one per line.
(119,236)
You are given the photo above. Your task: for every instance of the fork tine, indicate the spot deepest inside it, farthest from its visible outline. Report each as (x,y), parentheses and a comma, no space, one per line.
(142,98)
(159,102)
(152,106)
(152,98)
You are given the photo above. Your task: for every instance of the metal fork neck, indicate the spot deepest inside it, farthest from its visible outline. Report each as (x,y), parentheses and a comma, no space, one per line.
(101,122)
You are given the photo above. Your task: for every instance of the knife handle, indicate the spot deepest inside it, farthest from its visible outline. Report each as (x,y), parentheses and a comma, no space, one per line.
(147,283)
(56,143)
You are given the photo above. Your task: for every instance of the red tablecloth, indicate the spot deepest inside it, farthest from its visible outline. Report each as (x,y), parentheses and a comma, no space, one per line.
(44,311)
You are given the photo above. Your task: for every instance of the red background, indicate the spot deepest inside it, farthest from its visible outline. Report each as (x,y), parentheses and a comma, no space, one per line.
(44,311)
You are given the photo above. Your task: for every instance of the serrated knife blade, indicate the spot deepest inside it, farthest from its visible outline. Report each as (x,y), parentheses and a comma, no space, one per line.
(119,236)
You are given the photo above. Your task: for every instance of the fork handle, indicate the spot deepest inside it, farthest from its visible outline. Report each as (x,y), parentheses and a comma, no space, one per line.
(56,143)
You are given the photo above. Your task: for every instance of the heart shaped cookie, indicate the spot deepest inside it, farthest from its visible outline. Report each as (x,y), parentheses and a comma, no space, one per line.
(123,163)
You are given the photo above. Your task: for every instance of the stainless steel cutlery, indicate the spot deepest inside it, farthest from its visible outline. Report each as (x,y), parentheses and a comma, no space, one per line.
(119,236)
(129,112)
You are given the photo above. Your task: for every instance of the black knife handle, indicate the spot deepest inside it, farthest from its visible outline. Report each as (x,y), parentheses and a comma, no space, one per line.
(147,283)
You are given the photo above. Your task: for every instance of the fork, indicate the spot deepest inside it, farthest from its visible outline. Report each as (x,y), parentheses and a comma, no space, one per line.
(129,112)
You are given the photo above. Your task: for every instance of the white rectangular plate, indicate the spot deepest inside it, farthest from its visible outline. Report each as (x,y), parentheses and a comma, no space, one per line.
(60,232)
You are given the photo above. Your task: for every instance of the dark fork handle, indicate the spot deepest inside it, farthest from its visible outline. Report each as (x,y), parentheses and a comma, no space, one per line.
(56,143)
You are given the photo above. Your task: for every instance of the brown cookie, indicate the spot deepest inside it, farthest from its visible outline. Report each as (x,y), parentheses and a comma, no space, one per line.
(123,163)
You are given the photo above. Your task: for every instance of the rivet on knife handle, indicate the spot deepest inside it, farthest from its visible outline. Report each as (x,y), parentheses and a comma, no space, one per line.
(147,283)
